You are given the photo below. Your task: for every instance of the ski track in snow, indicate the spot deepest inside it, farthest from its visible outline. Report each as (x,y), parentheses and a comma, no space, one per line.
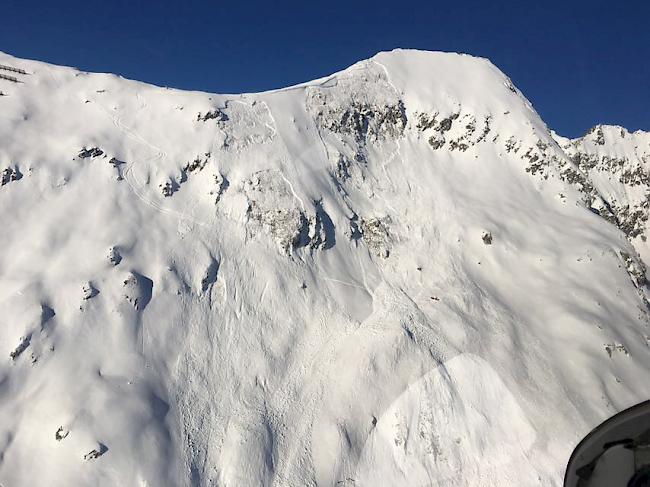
(132,179)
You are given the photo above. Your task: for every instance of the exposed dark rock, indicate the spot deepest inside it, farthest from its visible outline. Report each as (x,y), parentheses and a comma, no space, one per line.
(22,346)
(461,146)
(91,152)
(616,347)
(486,129)
(599,136)
(221,184)
(96,453)
(169,188)
(273,206)
(61,433)
(510,86)
(138,290)
(446,123)
(198,163)
(364,121)
(9,175)
(512,145)
(216,114)
(634,268)
(114,256)
(425,122)
(436,141)
(89,291)
(376,235)
(173,184)
(631,216)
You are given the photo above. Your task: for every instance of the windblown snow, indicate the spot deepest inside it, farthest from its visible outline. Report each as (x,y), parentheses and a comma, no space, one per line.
(395,275)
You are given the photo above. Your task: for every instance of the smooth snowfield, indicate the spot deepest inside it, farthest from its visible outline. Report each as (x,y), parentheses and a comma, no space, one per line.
(392,276)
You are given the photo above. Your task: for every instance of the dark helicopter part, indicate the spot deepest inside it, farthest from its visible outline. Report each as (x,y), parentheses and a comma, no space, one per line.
(615,454)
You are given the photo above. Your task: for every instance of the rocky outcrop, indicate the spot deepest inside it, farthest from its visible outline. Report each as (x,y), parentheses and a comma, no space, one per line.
(215,114)
(114,256)
(91,152)
(137,290)
(616,165)
(9,175)
(88,291)
(95,453)
(365,122)
(634,268)
(22,346)
(273,208)
(456,131)
(356,109)
(276,210)
(220,185)
(375,234)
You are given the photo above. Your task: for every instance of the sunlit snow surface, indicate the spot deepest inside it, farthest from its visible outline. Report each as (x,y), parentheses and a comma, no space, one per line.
(365,280)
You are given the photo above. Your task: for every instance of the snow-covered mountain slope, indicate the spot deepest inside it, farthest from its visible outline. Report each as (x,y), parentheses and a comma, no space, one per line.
(617,164)
(390,276)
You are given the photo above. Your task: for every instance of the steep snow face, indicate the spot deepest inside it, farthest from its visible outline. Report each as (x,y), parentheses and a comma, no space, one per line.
(390,276)
(617,163)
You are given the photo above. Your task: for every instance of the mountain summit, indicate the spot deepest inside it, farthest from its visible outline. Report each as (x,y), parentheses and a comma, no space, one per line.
(395,275)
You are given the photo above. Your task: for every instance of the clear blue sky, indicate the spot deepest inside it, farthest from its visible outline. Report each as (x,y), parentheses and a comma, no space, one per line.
(579,62)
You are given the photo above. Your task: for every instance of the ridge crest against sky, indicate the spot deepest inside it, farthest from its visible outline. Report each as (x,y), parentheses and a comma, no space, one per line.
(580,63)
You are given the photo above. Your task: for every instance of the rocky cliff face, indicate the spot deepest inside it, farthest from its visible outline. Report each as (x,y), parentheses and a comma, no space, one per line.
(616,163)
(375,278)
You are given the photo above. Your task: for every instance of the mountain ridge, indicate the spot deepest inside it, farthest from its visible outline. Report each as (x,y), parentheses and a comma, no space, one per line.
(371,279)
